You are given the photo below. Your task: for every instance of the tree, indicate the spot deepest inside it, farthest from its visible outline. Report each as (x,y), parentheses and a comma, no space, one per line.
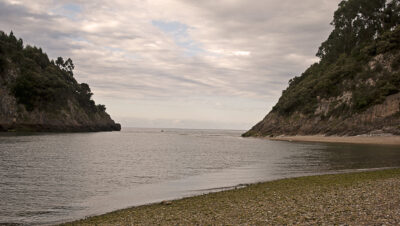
(67,66)
(101,107)
(12,38)
(3,63)
(85,91)
(42,83)
(357,22)
(60,62)
(392,15)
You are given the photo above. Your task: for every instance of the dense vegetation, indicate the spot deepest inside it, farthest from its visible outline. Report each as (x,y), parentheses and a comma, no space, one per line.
(362,31)
(40,83)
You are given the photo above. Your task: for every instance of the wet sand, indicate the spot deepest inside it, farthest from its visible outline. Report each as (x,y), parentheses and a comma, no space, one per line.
(381,140)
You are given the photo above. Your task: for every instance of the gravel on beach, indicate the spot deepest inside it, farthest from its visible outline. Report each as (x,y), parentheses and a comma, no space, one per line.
(366,198)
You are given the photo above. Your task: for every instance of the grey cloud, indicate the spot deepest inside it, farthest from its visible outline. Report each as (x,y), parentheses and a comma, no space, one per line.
(120,53)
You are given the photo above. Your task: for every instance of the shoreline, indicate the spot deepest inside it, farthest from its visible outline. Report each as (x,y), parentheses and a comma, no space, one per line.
(43,128)
(379,140)
(232,206)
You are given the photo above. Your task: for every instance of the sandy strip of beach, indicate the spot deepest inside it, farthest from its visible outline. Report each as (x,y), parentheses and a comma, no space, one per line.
(381,140)
(366,198)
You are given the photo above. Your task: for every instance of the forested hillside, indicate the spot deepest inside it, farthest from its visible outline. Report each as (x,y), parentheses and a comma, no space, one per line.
(354,89)
(39,94)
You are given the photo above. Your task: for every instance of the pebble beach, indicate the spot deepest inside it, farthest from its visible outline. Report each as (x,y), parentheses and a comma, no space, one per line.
(363,198)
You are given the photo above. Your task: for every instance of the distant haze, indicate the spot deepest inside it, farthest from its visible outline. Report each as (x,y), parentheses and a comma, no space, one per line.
(178,63)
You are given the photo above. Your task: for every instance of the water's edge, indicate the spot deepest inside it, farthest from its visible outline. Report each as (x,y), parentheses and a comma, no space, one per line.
(202,192)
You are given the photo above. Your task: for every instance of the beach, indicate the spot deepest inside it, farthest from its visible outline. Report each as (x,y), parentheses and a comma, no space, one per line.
(365,139)
(362,198)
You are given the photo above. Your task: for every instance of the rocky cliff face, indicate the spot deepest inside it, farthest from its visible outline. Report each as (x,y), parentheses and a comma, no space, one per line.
(382,118)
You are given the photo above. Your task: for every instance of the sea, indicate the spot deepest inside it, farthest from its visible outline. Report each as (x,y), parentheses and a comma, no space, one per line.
(50,178)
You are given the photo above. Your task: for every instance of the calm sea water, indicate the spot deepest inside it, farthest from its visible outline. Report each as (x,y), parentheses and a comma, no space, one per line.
(51,178)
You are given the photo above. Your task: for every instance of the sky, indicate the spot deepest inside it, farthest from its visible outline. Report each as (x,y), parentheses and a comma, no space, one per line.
(209,64)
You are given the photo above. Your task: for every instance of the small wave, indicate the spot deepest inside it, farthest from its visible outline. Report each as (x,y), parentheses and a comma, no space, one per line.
(36,213)
(9,224)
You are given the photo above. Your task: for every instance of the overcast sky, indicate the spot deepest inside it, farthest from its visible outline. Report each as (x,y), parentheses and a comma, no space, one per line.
(178,63)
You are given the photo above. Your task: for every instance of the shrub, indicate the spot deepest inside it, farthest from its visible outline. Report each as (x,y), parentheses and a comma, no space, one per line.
(41,83)
(396,62)
(3,64)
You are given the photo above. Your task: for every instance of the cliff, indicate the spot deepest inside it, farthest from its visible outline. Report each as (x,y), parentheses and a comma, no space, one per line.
(37,94)
(355,88)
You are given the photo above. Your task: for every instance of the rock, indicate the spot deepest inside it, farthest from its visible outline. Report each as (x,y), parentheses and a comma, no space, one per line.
(167,203)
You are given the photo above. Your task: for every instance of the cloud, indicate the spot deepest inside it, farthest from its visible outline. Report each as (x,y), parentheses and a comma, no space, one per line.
(229,50)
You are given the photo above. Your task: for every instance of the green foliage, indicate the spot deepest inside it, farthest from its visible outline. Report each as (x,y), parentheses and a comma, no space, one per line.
(396,63)
(249,133)
(43,84)
(387,83)
(34,90)
(67,66)
(366,96)
(362,30)
(357,22)
(3,63)
(378,68)
(362,97)
(320,80)
(101,107)
(388,42)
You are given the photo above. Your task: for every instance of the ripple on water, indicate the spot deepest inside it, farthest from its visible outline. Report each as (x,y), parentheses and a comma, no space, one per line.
(47,178)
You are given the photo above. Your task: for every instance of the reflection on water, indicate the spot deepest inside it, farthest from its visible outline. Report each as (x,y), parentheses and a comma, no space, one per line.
(47,178)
